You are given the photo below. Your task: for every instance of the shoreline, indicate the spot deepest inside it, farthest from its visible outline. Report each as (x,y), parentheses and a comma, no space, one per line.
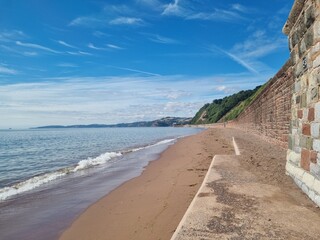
(151,205)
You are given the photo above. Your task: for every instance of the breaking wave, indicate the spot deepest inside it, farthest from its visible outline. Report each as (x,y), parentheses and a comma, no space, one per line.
(39,180)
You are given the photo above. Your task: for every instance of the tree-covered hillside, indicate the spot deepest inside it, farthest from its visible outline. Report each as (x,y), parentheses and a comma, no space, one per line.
(215,111)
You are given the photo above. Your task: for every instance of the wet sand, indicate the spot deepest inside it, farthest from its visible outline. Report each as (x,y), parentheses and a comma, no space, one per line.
(152,205)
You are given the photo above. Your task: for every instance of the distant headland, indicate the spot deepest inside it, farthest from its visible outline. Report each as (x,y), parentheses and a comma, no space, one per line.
(163,122)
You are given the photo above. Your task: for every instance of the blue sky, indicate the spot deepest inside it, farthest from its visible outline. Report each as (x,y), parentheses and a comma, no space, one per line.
(81,62)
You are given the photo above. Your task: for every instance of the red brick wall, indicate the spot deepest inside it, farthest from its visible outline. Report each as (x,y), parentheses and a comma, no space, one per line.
(269,115)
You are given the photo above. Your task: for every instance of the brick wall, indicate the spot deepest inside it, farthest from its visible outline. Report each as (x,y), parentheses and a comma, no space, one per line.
(288,110)
(269,115)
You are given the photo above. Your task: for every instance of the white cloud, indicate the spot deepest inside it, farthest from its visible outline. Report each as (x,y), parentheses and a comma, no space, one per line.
(92,46)
(112,99)
(173,9)
(126,21)
(87,22)
(136,71)
(114,46)
(239,7)
(100,34)
(161,39)
(198,11)
(6,70)
(80,53)
(36,46)
(250,52)
(12,35)
(63,43)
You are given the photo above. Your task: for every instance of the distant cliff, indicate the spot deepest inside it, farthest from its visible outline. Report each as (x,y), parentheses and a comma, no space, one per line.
(163,122)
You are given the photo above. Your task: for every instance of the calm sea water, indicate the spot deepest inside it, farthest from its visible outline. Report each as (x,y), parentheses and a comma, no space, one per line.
(50,176)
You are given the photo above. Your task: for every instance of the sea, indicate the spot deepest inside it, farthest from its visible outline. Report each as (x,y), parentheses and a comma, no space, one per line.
(48,177)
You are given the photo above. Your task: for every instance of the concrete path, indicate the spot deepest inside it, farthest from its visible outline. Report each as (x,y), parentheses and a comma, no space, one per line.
(233,204)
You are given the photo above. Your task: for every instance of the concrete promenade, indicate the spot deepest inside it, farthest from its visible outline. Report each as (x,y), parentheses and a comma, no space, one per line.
(233,203)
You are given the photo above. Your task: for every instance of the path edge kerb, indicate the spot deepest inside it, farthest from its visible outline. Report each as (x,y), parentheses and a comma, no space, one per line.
(185,216)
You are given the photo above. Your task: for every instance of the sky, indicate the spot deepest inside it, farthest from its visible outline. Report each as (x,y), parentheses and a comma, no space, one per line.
(81,62)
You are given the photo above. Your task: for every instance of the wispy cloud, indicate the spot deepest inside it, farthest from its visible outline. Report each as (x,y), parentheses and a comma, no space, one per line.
(100,34)
(173,9)
(92,46)
(161,39)
(242,62)
(239,7)
(18,52)
(80,53)
(259,44)
(193,11)
(87,22)
(12,35)
(36,46)
(6,70)
(136,71)
(249,52)
(126,21)
(114,46)
(63,43)
(218,15)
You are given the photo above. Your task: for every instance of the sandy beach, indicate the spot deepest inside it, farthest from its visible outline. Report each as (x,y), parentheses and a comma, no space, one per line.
(152,205)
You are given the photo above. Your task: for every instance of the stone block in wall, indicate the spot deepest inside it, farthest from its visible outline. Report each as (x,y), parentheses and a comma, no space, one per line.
(314,51)
(316,31)
(294,39)
(302,48)
(315,170)
(306,130)
(316,145)
(313,157)
(303,102)
(315,128)
(299,69)
(317,111)
(312,94)
(314,78)
(311,114)
(308,180)
(308,39)
(316,62)
(293,157)
(294,55)
(297,86)
(309,16)
(305,159)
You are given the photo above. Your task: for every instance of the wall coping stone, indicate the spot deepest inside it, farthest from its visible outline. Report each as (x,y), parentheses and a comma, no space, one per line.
(293,16)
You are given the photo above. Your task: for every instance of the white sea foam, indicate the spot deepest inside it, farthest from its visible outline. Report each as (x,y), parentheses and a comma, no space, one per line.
(166,141)
(90,162)
(37,181)
(29,184)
